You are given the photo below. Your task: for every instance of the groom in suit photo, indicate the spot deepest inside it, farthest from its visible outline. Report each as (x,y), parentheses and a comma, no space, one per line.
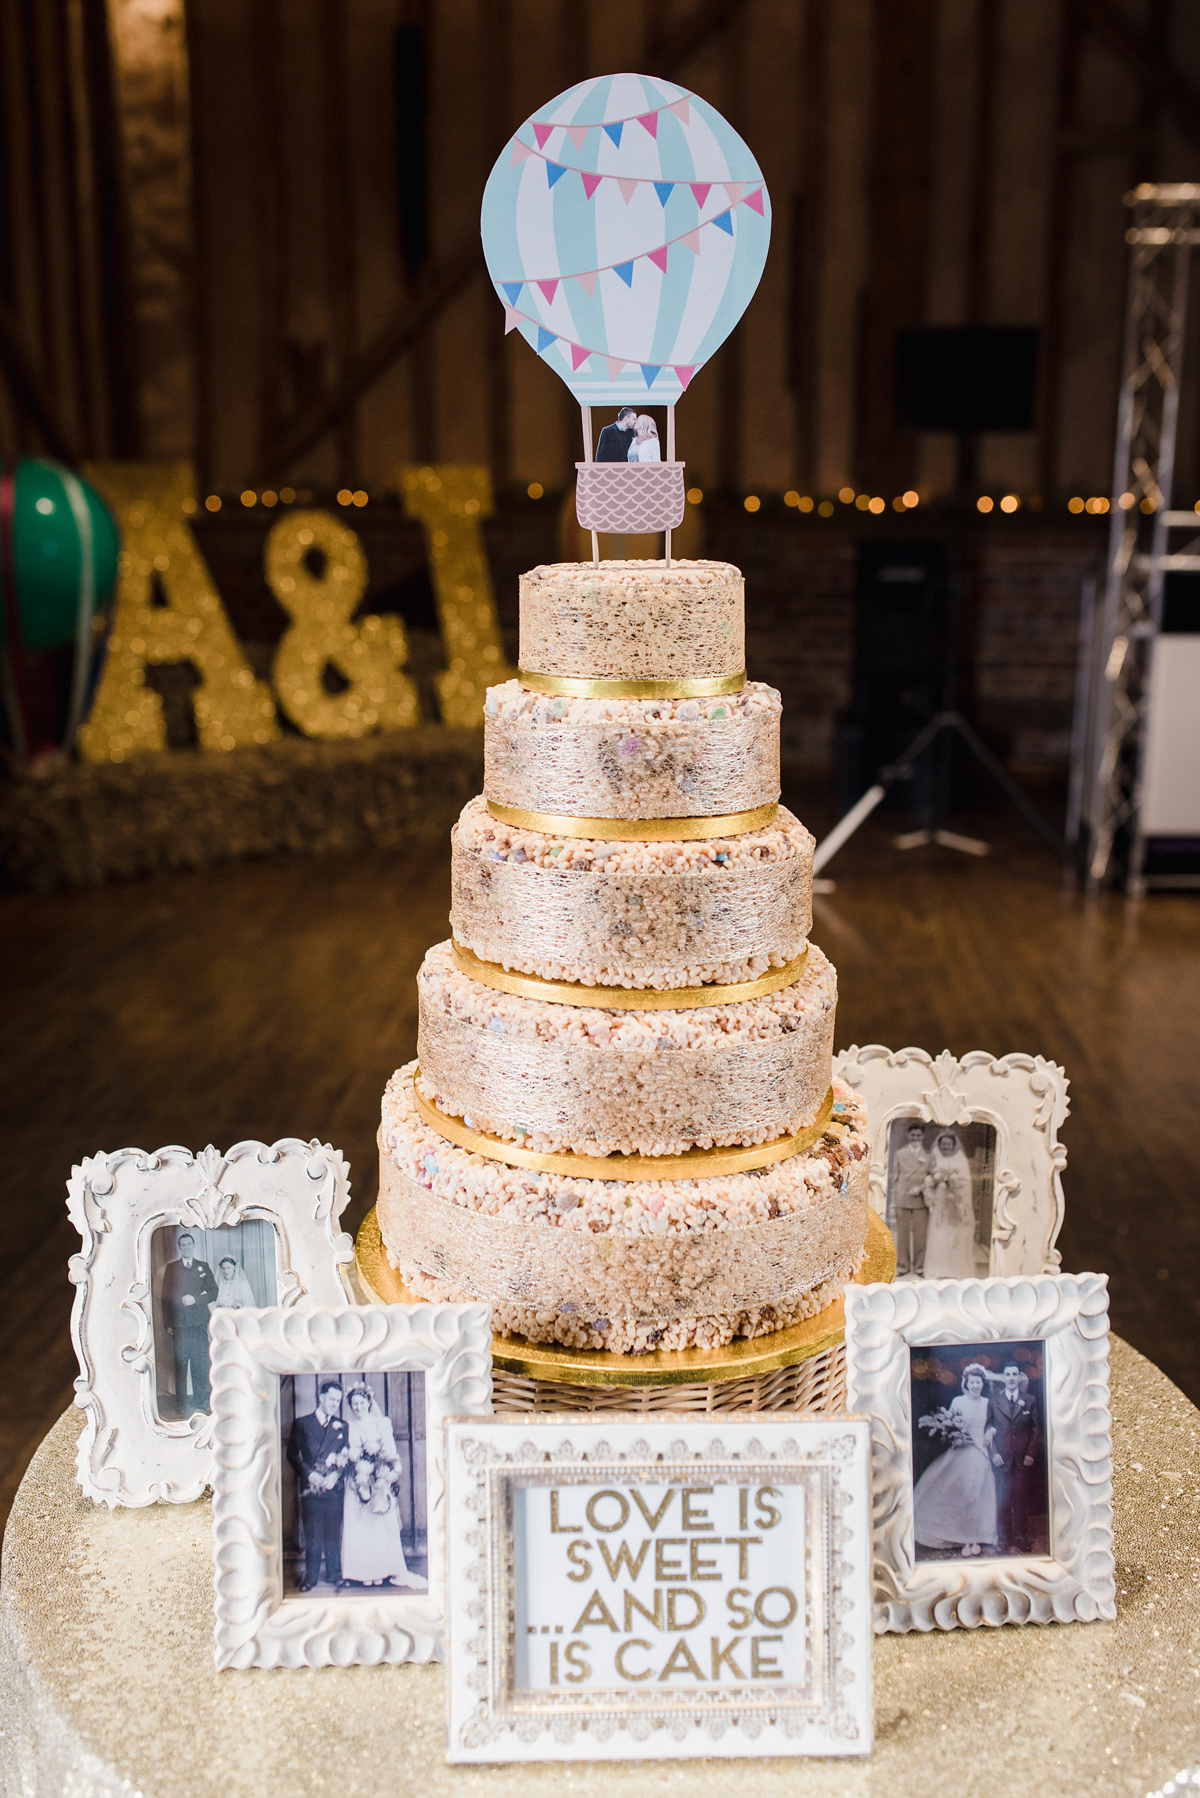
(615,439)
(1017,1435)
(315,1451)
(188,1291)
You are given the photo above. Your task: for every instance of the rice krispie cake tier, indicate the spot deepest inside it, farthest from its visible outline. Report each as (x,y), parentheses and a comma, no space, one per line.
(631,914)
(631,758)
(624,1265)
(553,1077)
(633,620)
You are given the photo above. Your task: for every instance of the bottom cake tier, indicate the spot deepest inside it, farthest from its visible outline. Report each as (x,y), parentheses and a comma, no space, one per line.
(624,1265)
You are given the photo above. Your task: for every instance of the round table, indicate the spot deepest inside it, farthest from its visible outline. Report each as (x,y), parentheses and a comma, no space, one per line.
(107,1684)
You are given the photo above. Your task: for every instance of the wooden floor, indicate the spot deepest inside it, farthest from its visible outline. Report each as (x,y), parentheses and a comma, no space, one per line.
(274,998)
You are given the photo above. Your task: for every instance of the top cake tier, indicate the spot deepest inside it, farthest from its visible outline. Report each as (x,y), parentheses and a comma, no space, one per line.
(633,621)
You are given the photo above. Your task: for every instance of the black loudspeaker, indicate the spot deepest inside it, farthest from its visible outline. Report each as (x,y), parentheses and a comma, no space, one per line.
(967,378)
(899,611)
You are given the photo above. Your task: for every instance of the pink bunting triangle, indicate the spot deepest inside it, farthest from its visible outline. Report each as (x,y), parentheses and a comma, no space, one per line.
(547,289)
(588,282)
(685,374)
(542,132)
(755,202)
(579,355)
(590,183)
(578,135)
(735,190)
(512,319)
(701,191)
(659,258)
(520,152)
(650,121)
(692,240)
(615,365)
(681,109)
(628,188)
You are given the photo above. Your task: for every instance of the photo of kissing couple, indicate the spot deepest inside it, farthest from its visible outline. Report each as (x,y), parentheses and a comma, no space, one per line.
(354,1446)
(632,438)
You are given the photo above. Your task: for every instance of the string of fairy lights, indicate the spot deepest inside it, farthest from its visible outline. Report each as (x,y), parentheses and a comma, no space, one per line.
(847,499)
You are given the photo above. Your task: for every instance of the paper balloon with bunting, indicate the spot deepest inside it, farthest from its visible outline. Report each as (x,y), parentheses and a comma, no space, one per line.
(625,226)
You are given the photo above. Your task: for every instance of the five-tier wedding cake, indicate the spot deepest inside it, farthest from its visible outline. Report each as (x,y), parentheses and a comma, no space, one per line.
(621,1130)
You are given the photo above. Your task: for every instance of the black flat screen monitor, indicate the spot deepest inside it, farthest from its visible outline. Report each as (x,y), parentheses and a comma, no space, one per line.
(966,378)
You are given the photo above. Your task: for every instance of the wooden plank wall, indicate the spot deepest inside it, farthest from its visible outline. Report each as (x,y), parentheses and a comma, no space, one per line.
(930,161)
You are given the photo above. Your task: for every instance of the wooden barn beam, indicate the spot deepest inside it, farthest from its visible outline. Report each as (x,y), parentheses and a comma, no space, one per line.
(28,390)
(446,279)
(1148,60)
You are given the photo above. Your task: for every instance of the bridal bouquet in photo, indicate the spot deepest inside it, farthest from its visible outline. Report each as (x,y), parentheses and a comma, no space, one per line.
(326,1477)
(947,1424)
(376,1476)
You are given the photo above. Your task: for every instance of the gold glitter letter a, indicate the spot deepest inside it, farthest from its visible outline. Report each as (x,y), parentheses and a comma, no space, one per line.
(452,503)
(232,708)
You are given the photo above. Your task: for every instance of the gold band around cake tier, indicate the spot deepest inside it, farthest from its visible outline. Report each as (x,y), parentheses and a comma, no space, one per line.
(624,998)
(570,686)
(693,1164)
(636,830)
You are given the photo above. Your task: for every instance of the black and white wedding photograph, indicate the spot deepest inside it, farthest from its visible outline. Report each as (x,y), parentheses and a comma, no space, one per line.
(939,1198)
(354,1494)
(980,1465)
(192,1272)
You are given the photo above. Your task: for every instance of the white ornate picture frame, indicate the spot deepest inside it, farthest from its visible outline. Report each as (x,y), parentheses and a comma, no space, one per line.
(533,1503)
(1068,1313)
(1024,1100)
(129,1454)
(256,1624)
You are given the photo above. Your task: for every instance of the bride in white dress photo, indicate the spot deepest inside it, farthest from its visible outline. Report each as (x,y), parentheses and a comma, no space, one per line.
(371,1548)
(954,1501)
(645,446)
(950,1242)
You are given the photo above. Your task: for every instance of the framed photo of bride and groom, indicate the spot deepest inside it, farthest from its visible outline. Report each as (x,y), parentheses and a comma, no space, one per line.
(991,1448)
(328,1478)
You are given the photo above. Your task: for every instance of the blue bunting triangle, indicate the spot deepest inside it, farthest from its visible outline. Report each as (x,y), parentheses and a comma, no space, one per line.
(625,270)
(725,220)
(554,172)
(663,190)
(512,290)
(545,339)
(614,131)
(650,372)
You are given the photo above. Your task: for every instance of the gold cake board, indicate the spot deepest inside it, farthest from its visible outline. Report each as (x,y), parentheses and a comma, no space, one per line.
(801,1366)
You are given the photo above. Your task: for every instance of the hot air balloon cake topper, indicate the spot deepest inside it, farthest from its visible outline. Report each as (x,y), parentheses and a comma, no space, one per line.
(625,227)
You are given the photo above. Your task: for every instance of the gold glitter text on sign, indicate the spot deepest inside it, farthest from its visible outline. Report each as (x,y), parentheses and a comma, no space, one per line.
(693,1164)
(451,503)
(368,654)
(161,562)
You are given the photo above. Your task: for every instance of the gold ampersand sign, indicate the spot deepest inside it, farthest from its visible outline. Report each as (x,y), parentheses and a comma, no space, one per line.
(452,503)
(167,610)
(317,571)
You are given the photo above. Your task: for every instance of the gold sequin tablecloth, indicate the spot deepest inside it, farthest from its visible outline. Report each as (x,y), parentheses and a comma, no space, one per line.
(107,1685)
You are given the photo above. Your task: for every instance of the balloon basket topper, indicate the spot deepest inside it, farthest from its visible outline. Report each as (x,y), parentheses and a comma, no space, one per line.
(625,227)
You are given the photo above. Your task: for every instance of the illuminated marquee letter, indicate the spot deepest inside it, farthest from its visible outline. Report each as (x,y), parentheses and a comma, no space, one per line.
(451,504)
(321,601)
(167,610)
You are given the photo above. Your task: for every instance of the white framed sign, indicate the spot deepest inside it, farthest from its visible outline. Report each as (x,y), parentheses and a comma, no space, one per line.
(629,1588)
(328,1478)
(991,1448)
(168,1239)
(966,1165)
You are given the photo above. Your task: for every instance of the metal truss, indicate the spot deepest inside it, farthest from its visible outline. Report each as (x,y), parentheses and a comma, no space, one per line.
(1165,227)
